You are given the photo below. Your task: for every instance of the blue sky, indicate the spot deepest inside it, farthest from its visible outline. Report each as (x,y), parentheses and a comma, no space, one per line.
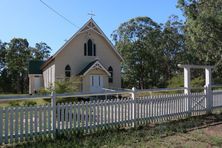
(32,20)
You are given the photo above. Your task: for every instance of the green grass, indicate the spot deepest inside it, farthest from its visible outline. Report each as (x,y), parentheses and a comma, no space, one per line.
(190,132)
(9,94)
(21,102)
(215,140)
(39,101)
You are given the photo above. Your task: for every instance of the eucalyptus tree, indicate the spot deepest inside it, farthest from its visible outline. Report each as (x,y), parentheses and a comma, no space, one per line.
(203,31)
(138,40)
(14,60)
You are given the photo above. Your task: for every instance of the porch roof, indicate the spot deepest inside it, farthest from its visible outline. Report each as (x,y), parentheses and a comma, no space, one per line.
(94,64)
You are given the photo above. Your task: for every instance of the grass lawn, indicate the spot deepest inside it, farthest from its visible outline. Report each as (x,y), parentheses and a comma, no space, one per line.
(39,101)
(198,132)
(21,102)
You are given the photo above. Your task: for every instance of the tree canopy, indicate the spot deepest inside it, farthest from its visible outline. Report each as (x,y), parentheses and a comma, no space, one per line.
(14,59)
(203,32)
(150,50)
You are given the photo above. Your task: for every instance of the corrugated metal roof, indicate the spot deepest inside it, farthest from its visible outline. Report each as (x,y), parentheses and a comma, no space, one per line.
(87,67)
(34,67)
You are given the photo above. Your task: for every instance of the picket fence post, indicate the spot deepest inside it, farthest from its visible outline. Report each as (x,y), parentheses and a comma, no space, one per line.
(133,107)
(53,103)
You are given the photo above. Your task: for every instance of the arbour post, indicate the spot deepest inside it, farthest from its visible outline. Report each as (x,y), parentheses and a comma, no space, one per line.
(53,103)
(187,80)
(208,90)
(208,87)
(187,89)
(133,107)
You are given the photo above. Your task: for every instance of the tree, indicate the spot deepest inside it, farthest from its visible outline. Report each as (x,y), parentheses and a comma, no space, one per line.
(203,32)
(17,58)
(41,51)
(2,55)
(4,77)
(14,60)
(139,40)
(173,45)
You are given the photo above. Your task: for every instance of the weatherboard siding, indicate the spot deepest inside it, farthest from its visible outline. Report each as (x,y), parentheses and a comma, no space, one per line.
(73,54)
(49,75)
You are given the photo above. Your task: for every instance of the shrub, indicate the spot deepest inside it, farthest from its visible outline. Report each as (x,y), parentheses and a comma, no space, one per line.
(68,85)
(44,91)
(14,103)
(197,82)
(177,81)
(29,103)
(66,100)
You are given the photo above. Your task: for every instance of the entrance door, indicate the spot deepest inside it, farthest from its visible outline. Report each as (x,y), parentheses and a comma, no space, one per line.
(96,83)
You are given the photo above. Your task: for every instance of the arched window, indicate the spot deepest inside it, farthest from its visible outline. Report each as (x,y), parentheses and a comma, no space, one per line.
(110,69)
(68,71)
(85,49)
(94,49)
(89,48)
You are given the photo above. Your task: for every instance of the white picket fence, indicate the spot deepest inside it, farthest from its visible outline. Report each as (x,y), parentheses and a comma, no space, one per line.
(26,123)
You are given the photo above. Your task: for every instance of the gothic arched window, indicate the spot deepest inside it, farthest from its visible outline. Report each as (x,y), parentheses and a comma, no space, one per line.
(67,71)
(110,69)
(89,48)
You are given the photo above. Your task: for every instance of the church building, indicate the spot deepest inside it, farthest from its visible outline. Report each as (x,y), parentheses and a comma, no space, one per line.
(88,55)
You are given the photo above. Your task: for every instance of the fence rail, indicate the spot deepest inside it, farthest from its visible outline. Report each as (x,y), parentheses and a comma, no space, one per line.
(106,92)
(26,123)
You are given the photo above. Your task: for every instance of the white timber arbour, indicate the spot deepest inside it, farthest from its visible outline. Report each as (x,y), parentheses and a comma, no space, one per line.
(208,82)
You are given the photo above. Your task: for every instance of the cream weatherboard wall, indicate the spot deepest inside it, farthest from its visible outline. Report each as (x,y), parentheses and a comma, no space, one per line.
(49,75)
(73,54)
(33,86)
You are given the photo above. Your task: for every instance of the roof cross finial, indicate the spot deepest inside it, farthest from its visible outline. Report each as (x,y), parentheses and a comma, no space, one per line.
(91,14)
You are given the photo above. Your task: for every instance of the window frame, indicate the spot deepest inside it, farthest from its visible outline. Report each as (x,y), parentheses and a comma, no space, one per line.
(87,45)
(67,71)
(110,70)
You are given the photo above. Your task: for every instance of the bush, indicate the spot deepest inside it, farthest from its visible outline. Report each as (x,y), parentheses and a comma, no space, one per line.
(197,82)
(177,81)
(68,85)
(29,103)
(44,91)
(67,100)
(14,103)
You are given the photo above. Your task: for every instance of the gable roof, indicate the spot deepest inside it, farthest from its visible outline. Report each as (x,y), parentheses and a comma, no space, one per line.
(91,65)
(90,25)
(34,67)
(47,62)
